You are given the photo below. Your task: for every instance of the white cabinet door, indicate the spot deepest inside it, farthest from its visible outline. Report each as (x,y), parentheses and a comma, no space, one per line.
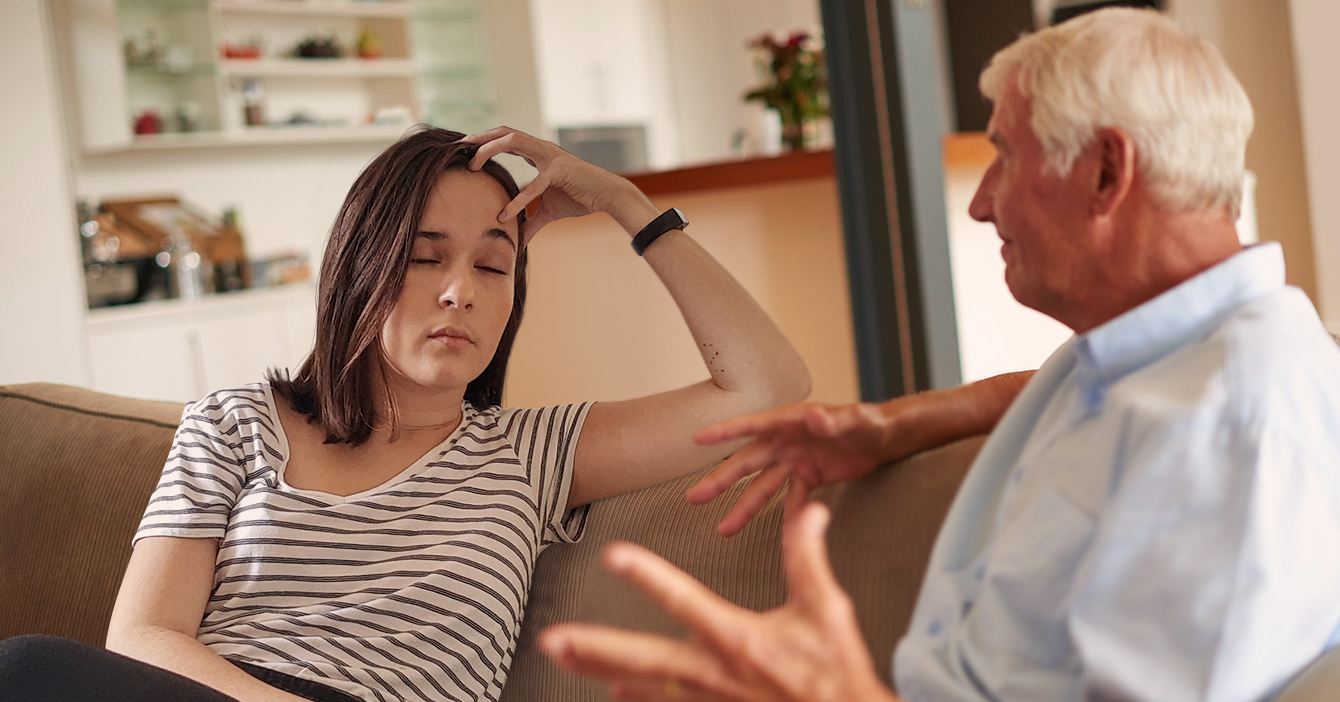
(181,350)
(237,351)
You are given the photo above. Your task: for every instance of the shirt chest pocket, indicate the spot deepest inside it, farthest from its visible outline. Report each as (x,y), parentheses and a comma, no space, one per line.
(1026,591)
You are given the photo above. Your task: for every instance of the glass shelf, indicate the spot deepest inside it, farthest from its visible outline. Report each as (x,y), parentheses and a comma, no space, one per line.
(163,4)
(151,71)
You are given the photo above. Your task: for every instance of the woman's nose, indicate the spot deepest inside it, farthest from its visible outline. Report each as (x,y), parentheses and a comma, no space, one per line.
(457,291)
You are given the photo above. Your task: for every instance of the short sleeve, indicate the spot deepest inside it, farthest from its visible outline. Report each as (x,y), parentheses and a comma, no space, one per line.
(203,477)
(546,442)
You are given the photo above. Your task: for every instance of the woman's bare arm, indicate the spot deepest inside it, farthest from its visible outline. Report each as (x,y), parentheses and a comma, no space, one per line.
(632,444)
(158,613)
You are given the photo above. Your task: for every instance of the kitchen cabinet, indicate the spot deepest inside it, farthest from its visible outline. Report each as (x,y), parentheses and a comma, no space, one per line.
(177,68)
(180,350)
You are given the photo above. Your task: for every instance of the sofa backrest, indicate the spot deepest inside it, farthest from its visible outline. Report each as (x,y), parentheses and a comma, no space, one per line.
(77,468)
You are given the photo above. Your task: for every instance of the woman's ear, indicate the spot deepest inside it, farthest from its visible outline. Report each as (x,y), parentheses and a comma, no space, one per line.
(1115,154)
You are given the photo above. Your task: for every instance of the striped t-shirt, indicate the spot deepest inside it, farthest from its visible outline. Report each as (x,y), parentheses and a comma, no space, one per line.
(412,590)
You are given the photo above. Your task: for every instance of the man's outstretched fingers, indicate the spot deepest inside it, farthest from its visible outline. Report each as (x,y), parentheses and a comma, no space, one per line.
(616,654)
(754,457)
(678,593)
(753,499)
(808,573)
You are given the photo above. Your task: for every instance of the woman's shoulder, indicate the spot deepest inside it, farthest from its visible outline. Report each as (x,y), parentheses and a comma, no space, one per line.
(234,407)
(561,419)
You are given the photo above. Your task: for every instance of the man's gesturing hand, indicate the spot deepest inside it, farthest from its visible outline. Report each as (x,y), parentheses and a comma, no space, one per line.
(808,444)
(808,650)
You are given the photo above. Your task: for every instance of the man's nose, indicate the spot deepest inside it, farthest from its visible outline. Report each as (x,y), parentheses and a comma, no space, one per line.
(981,208)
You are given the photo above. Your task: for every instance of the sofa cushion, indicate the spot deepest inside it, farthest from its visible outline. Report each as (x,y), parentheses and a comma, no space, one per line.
(76,470)
(879,543)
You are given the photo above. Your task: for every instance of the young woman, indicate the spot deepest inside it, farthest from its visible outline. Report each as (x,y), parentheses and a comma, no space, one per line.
(367,529)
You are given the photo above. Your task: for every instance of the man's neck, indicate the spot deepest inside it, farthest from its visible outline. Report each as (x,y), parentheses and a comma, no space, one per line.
(1153,251)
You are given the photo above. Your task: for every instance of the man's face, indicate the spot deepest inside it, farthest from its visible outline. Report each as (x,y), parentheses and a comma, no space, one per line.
(1042,219)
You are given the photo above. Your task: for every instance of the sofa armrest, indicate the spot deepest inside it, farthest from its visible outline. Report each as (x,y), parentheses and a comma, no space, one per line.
(1319,682)
(879,543)
(76,470)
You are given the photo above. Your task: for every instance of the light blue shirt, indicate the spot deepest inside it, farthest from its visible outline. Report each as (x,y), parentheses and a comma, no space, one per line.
(1156,518)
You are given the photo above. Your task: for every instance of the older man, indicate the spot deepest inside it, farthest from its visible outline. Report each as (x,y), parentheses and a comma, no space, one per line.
(1157,515)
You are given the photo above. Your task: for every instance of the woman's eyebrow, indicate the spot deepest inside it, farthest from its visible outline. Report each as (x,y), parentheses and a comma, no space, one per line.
(501,234)
(492,234)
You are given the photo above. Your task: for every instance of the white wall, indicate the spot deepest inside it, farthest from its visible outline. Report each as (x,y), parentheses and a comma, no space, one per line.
(712,68)
(602,63)
(1316,56)
(679,66)
(41,288)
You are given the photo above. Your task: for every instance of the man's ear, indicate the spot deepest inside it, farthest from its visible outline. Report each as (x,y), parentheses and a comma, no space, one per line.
(1116,170)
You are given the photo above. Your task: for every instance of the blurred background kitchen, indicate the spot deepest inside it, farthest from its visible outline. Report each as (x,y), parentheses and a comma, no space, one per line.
(171,169)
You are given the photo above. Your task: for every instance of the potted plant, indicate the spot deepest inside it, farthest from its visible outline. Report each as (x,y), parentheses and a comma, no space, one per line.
(797,83)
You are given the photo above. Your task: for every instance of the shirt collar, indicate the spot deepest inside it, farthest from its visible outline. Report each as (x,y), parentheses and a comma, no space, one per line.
(1175,318)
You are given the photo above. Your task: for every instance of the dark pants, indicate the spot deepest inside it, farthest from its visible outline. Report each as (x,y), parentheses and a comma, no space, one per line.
(39,668)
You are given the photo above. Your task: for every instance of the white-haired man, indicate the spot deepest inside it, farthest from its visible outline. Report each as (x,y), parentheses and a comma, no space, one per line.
(1157,514)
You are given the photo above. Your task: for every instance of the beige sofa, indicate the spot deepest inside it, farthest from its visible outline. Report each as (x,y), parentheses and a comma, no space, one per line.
(76,469)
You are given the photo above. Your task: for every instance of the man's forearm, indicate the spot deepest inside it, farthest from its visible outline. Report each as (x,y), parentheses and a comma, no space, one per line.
(938,417)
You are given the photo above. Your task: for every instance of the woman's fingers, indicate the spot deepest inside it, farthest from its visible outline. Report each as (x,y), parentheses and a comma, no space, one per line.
(751,502)
(510,141)
(489,135)
(524,198)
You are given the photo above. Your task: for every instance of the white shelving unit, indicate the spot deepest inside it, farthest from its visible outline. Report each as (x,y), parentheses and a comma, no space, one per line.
(434,68)
(314,8)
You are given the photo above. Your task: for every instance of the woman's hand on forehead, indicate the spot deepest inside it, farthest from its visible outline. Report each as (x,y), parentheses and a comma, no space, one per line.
(566,186)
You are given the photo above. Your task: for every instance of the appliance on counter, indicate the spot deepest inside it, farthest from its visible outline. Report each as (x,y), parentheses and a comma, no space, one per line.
(621,149)
(158,248)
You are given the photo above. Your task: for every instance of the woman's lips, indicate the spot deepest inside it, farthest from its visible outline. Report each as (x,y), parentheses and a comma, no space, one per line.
(451,339)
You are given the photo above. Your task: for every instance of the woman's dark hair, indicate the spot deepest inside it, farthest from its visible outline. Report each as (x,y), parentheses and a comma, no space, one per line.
(362,273)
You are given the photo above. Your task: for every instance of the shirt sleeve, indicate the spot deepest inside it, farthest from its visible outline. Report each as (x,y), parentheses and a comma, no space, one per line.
(1213,576)
(203,477)
(546,441)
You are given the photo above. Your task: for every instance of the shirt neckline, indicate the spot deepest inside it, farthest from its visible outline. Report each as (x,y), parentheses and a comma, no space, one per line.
(414,468)
(1169,321)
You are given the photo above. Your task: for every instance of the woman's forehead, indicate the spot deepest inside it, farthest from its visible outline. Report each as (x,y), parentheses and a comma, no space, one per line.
(467,203)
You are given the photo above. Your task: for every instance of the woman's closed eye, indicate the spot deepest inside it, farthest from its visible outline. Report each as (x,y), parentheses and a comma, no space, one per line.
(491,269)
(424,260)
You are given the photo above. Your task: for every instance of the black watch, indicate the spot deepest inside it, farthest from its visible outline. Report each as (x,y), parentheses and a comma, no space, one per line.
(670,219)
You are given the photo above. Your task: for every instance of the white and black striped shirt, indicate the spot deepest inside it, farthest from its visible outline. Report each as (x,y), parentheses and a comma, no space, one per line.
(412,590)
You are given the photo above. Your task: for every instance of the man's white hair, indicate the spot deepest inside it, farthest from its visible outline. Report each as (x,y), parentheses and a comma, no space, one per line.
(1138,71)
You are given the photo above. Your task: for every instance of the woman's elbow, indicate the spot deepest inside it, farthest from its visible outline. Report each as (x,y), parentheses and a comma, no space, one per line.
(791,385)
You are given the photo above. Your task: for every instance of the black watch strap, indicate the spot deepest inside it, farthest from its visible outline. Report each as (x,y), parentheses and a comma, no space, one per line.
(670,219)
